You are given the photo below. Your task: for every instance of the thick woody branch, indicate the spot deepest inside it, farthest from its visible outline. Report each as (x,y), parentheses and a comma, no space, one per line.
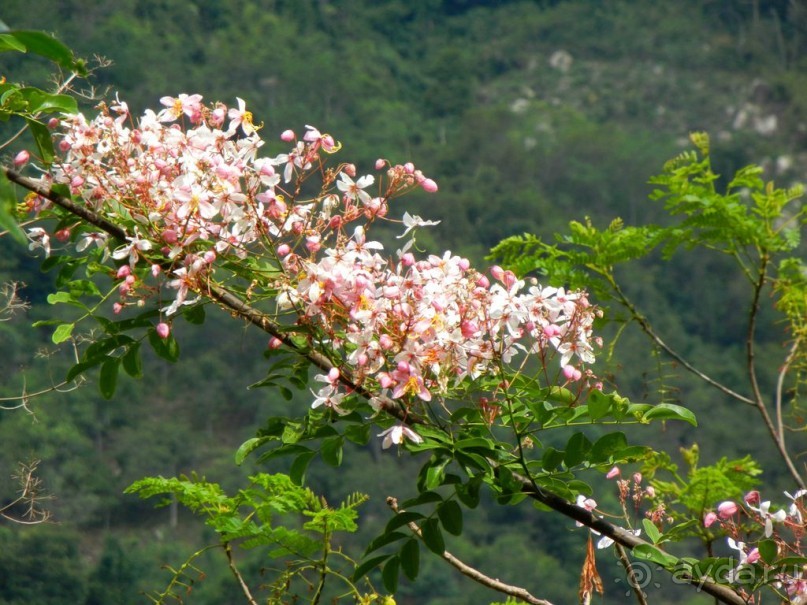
(239,308)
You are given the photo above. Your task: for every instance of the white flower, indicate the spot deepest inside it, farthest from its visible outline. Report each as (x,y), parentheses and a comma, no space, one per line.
(413,222)
(396,435)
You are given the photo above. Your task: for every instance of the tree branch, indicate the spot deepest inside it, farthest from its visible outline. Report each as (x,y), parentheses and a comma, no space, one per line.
(243,585)
(471,572)
(266,323)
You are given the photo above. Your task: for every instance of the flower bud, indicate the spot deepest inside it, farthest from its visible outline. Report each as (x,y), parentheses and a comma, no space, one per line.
(709,518)
(287,136)
(21,159)
(727,509)
(275,343)
(614,472)
(163,330)
(429,185)
(380,163)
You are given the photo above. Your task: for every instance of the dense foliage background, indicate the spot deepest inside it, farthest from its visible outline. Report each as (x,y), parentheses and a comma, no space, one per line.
(528,114)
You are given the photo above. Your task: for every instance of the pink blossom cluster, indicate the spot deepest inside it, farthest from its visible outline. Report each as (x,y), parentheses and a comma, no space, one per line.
(188,186)
(420,327)
(786,526)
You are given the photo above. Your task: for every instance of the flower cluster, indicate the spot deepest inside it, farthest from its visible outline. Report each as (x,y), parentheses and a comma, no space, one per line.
(188,186)
(784,526)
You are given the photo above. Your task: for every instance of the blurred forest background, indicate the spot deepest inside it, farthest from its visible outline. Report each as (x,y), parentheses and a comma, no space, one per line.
(528,114)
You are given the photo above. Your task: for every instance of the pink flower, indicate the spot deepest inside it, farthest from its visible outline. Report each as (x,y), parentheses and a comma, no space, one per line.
(752,498)
(429,185)
(287,136)
(275,343)
(163,330)
(709,518)
(614,472)
(21,159)
(727,509)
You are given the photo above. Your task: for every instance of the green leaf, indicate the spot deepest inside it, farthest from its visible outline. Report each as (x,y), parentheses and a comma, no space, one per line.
(10,42)
(384,539)
(389,574)
(300,466)
(132,362)
(43,140)
(194,314)
(670,411)
(331,451)
(432,536)
(651,530)
(366,566)
(62,333)
(577,449)
(401,519)
(599,404)
(60,297)
(450,515)
(468,493)
(410,558)
(43,45)
(426,497)
(358,433)
(648,552)
(249,446)
(768,551)
(552,458)
(166,348)
(109,377)
(607,446)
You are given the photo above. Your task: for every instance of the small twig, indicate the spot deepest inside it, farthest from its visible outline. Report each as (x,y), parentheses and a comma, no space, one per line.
(630,573)
(471,572)
(648,329)
(244,588)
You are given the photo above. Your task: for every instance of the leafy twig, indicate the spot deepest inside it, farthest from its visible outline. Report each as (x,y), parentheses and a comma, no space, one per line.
(471,572)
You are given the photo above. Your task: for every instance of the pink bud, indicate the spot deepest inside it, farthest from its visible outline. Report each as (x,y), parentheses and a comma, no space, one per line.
(287,136)
(64,146)
(637,477)
(385,342)
(752,498)
(333,375)
(53,123)
(572,373)
(62,235)
(408,259)
(283,250)
(497,272)
(614,472)
(726,509)
(753,556)
(123,271)
(155,270)
(464,264)
(483,282)
(429,185)
(117,308)
(650,491)
(709,518)
(403,367)
(275,343)
(163,330)
(21,159)
(509,278)
(350,170)
(409,168)
(380,163)
(209,257)
(312,242)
